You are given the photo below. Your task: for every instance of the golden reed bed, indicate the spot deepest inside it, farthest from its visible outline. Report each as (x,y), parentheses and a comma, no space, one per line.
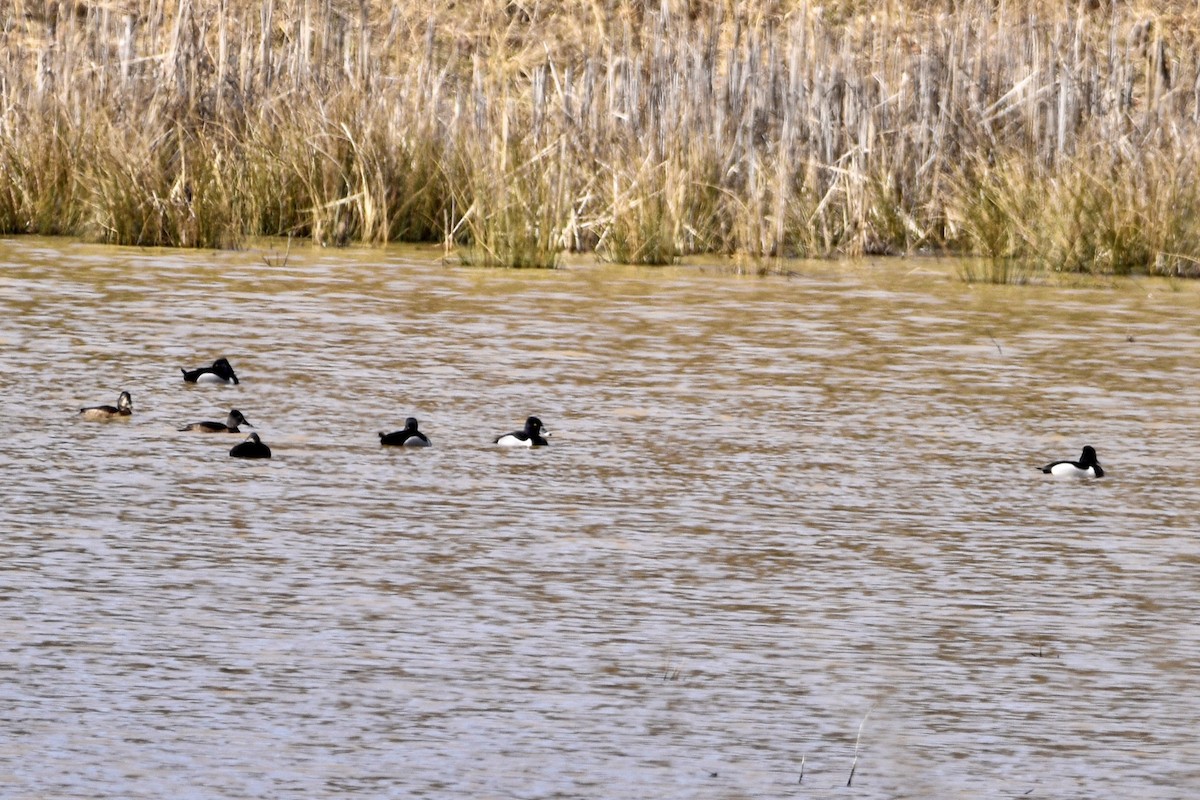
(1054,135)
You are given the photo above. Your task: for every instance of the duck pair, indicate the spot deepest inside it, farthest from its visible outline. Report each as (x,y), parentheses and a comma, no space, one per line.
(124,408)
(253,447)
(530,436)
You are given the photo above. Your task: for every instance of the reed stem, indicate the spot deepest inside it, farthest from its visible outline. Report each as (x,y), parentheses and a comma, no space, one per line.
(1040,136)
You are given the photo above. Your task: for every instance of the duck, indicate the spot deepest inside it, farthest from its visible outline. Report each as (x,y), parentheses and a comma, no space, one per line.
(230,425)
(253,447)
(123,408)
(409,437)
(531,436)
(1086,467)
(219,372)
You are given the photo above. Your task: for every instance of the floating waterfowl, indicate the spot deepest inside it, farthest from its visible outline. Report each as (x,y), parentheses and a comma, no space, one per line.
(531,436)
(123,408)
(230,425)
(253,447)
(1086,467)
(409,437)
(219,372)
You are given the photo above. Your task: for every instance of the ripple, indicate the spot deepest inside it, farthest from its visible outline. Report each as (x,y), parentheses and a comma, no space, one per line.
(781,523)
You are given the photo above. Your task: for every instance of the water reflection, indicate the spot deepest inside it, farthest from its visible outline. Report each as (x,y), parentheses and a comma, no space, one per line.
(772,508)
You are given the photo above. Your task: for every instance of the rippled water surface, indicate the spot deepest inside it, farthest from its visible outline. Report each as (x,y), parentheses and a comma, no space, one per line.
(783,522)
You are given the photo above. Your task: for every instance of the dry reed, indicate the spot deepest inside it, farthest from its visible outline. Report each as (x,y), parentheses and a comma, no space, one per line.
(1039,135)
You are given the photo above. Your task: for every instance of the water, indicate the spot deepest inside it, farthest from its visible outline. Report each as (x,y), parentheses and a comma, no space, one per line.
(782,520)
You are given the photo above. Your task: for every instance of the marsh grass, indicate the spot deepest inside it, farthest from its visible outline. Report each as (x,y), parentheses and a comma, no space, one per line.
(1036,136)
(1100,212)
(43,157)
(514,213)
(643,224)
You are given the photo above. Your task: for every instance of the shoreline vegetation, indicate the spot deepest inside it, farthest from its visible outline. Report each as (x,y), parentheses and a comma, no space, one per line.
(1037,136)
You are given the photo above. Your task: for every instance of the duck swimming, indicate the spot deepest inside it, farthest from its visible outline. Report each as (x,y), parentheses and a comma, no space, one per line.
(1086,467)
(253,447)
(219,372)
(531,436)
(230,425)
(409,437)
(123,408)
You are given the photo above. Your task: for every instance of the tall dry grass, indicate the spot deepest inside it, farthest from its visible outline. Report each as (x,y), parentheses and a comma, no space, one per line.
(1050,135)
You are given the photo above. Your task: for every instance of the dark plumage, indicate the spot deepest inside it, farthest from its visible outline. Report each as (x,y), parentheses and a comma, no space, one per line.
(531,436)
(409,437)
(230,425)
(1086,467)
(219,372)
(253,447)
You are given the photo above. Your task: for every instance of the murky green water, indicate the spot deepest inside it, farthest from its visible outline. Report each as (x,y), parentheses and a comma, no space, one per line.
(776,512)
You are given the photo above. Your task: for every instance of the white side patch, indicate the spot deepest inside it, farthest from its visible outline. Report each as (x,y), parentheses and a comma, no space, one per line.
(508,440)
(1072,471)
